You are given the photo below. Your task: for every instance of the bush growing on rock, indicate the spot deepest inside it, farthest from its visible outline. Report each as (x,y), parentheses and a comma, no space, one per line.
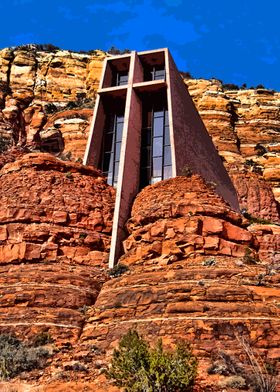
(4,144)
(139,368)
(118,270)
(17,357)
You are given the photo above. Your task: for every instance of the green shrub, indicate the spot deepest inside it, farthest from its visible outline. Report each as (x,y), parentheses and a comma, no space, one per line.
(51,108)
(186,171)
(209,262)
(118,270)
(69,175)
(249,257)
(186,75)
(17,357)
(254,219)
(4,144)
(42,338)
(66,156)
(137,367)
(230,86)
(115,51)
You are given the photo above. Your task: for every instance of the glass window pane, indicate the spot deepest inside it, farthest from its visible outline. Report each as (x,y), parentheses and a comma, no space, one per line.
(166,135)
(111,162)
(167,172)
(118,151)
(145,177)
(167,155)
(123,80)
(116,171)
(120,119)
(158,126)
(119,130)
(157,146)
(158,113)
(110,178)
(109,123)
(166,117)
(160,74)
(155,179)
(157,167)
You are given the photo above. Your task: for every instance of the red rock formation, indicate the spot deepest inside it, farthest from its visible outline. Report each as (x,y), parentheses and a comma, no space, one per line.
(66,132)
(244,124)
(193,274)
(255,196)
(191,258)
(190,270)
(35,84)
(55,225)
(268,237)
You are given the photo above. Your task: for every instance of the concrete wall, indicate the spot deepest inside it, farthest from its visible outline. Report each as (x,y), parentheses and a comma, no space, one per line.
(192,144)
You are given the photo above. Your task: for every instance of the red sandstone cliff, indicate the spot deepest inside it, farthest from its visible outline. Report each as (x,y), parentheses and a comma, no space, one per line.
(197,269)
(55,226)
(194,271)
(46,102)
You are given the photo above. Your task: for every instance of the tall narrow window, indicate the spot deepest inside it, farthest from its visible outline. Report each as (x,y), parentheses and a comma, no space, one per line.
(155,143)
(112,147)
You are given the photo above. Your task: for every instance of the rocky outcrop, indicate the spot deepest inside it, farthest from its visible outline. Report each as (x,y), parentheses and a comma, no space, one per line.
(197,269)
(46,102)
(244,125)
(36,84)
(255,196)
(194,273)
(66,133)
(55,226)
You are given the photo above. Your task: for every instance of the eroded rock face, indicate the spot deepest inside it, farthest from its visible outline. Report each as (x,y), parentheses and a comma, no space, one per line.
(244,125)
(35,85)
(194,274)
(55,227)
(47,98)
(255,196)
(191,258)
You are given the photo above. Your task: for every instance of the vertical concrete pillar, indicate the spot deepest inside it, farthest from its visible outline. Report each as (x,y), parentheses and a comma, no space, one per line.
(94,142)
(170,113)
(128,179)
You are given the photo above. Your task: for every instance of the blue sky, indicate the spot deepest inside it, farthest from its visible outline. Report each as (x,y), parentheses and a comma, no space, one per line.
(235,41)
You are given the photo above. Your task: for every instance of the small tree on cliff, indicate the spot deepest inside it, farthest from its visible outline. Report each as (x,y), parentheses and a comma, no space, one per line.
(139,368)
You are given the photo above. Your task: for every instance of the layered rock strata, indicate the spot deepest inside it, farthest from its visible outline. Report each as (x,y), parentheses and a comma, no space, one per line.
(244,125)
(55,226)
(35,85)
(194,273)
(46,102)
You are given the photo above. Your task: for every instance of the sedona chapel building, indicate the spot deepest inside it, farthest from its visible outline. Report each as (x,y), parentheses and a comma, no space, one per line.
(145,129)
